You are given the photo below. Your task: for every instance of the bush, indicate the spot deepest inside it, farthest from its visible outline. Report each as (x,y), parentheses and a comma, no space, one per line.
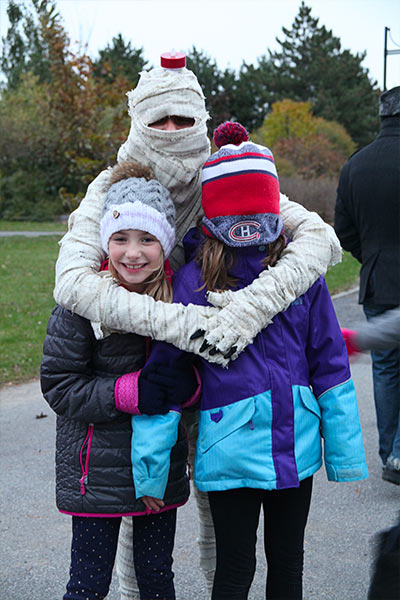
(317,195)
(23,197)
(303,144)
(311,157)
(337,136)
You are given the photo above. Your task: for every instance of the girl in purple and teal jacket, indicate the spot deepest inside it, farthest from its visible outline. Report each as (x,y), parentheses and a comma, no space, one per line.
(263,419)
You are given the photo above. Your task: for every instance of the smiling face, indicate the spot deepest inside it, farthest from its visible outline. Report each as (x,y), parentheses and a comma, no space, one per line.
(135,256)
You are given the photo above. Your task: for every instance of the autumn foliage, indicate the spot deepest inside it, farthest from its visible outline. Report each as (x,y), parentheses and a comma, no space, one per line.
(63,116)
(303,144)
(309,153)
(58,132)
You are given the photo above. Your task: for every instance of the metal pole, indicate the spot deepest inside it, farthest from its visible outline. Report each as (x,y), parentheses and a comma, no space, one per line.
(384,58)
(386,52)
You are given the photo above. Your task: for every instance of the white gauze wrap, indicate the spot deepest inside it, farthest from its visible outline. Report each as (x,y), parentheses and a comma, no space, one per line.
(175,157)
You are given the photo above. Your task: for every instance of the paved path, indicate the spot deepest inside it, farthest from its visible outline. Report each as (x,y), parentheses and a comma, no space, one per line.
(30,233)
(35,538)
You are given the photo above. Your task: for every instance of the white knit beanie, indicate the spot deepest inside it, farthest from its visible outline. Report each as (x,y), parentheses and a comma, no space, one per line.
(136,203)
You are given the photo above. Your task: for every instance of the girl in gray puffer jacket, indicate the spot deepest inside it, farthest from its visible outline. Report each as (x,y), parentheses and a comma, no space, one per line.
(90,384)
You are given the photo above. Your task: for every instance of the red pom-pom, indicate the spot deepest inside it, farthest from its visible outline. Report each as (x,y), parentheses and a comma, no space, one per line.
(230,133)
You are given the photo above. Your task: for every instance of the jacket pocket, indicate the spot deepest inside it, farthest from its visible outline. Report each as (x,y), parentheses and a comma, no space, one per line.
(219,423)
(307,431)
(309,401)
(85,461)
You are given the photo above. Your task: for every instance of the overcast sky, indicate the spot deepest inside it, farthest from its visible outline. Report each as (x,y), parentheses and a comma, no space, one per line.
(229,31)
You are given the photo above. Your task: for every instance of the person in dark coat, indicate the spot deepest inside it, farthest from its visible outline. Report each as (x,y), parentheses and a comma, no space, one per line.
(367,222)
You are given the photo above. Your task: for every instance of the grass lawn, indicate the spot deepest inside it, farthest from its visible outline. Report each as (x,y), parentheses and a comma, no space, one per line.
(26,286)
(26,300)
(343,276)
(32,226)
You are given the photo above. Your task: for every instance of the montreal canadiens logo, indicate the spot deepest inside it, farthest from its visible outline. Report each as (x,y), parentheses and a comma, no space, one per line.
(244,231)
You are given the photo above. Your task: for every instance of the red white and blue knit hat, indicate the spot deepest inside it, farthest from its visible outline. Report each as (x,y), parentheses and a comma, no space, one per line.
(240,190)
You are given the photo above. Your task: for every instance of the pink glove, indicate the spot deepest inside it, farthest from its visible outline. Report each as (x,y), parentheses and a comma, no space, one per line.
(126,393)
(350,340)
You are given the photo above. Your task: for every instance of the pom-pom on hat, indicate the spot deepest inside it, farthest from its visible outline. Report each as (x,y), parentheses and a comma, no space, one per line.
(240,190)
(138,202)
(230,133)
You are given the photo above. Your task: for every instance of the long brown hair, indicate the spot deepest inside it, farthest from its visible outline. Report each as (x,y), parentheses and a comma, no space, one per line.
(216,260)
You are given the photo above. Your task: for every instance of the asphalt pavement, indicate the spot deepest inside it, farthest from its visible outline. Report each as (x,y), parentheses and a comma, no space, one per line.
(35,537)
(29,233)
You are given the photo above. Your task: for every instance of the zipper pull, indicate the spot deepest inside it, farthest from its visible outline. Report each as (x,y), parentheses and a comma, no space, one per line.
(251,424)
(82,481)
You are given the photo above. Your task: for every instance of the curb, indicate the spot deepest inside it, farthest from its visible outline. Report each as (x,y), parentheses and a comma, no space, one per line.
(346,293)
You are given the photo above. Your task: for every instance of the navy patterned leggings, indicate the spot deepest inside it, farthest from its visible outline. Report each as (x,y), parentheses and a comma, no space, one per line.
(93,550)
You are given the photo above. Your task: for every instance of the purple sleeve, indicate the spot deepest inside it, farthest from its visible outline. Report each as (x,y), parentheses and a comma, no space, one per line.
(326,350)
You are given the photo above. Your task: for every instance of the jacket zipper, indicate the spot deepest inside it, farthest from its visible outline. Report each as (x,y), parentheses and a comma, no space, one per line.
(85,467)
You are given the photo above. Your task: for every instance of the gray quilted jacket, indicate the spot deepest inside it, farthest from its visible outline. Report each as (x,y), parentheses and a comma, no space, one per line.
(93,445)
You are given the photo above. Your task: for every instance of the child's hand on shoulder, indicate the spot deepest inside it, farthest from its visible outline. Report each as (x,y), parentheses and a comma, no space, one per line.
(154,504)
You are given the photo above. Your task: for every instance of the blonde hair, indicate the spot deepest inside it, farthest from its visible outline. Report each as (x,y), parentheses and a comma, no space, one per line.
(216,260)
(156,285)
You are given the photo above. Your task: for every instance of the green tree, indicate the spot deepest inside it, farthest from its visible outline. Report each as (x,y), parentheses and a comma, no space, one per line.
(212,82)
(288,119)
(311,65)
(28,175)
(248,98)
(119,58)
(24,48)
(229,95)
(59,133)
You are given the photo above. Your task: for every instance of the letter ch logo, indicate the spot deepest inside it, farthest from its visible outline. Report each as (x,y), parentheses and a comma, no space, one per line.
(245,231)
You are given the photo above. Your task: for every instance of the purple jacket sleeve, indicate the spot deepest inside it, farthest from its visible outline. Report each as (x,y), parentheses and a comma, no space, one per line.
(326,349)
(334,390)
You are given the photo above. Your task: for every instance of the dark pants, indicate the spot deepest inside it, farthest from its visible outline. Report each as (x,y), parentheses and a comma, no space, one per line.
(93,550)
(236,514)
(386,376)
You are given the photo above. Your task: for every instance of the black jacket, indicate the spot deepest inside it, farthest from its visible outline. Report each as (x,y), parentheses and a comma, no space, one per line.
(367,214)
(93,445)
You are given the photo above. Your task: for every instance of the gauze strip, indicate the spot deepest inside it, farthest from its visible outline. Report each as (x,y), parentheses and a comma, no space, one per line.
(175,157)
